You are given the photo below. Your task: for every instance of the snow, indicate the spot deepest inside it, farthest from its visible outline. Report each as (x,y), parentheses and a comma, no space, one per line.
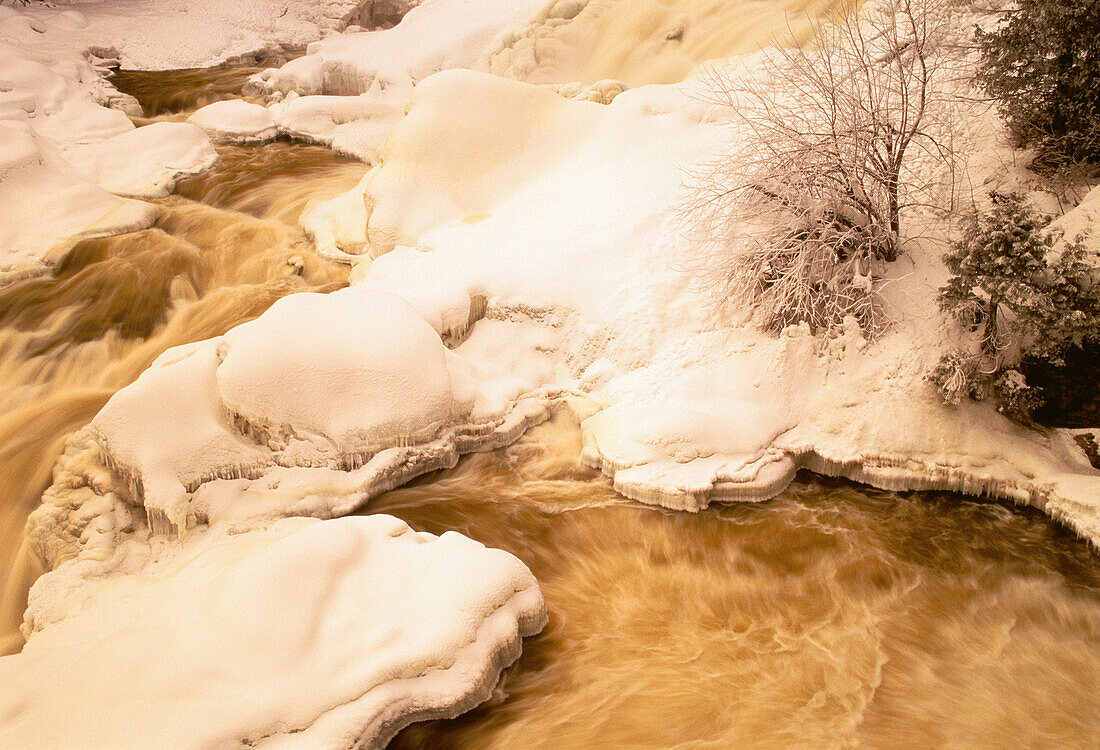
(382,378)
(235,121)
(65,157)
(435,35)
(304,634)
(158,35)
(145,162)
(35,180)
(367,386)
(516,247)
(354,126)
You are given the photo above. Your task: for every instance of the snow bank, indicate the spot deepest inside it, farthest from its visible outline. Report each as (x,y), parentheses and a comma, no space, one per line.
(63,152)
(435,35)
(306,634)
(581,239)
(158,35)
(235,121)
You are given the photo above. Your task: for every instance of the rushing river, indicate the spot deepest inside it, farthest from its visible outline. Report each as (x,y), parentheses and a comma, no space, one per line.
(831,616)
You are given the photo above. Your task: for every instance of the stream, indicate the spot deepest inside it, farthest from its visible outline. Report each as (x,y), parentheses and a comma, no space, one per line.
(833,615)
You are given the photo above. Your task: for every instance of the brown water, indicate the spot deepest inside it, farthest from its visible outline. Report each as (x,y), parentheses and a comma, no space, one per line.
(168,92)
(226,247)
(831,616)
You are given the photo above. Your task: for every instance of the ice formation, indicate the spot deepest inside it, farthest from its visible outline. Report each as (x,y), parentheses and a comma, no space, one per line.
(304,634)
(367,393)
(235,121)
(66,154)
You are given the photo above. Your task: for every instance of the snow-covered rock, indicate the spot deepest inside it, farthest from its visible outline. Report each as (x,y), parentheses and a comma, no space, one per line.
(304,634)
(354,386)
(235,121)
(354,126)
(36,181)
(144,162)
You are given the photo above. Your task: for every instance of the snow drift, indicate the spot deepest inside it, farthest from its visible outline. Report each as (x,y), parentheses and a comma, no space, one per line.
(305,634)
(680,410)
(64,156)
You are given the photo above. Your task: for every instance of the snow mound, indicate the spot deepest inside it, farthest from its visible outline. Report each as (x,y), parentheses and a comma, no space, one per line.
(435,35)
(235,121)
(365,371)
(307,634)
(351,390)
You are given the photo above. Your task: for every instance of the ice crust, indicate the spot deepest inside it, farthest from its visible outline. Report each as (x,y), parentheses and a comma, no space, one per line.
(305,634)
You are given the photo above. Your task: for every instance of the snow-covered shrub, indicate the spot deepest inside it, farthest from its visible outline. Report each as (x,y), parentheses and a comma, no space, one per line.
(805,207)
(956,376)
(1043,67)
(1025,291)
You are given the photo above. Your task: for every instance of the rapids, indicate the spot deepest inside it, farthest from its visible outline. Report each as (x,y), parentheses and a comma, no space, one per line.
(226,247)
(831,616)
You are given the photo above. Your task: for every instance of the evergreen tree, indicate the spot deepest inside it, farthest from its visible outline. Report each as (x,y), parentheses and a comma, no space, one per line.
(1026,296)
(1044,67)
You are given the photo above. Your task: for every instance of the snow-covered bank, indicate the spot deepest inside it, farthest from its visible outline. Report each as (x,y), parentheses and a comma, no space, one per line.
(304,634)
(367,398)
(157,35)
(568,221)
(67,157)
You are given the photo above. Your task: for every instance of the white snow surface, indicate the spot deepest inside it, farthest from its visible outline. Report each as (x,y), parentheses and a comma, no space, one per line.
(235,121)
(305,634)
(170,34)
(435,35)
(64,155)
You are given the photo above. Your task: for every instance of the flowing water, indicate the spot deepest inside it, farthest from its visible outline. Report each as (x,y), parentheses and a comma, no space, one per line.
(831,616)
(226,247)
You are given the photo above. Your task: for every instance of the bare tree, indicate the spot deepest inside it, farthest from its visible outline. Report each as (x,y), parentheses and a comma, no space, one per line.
(812,197)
